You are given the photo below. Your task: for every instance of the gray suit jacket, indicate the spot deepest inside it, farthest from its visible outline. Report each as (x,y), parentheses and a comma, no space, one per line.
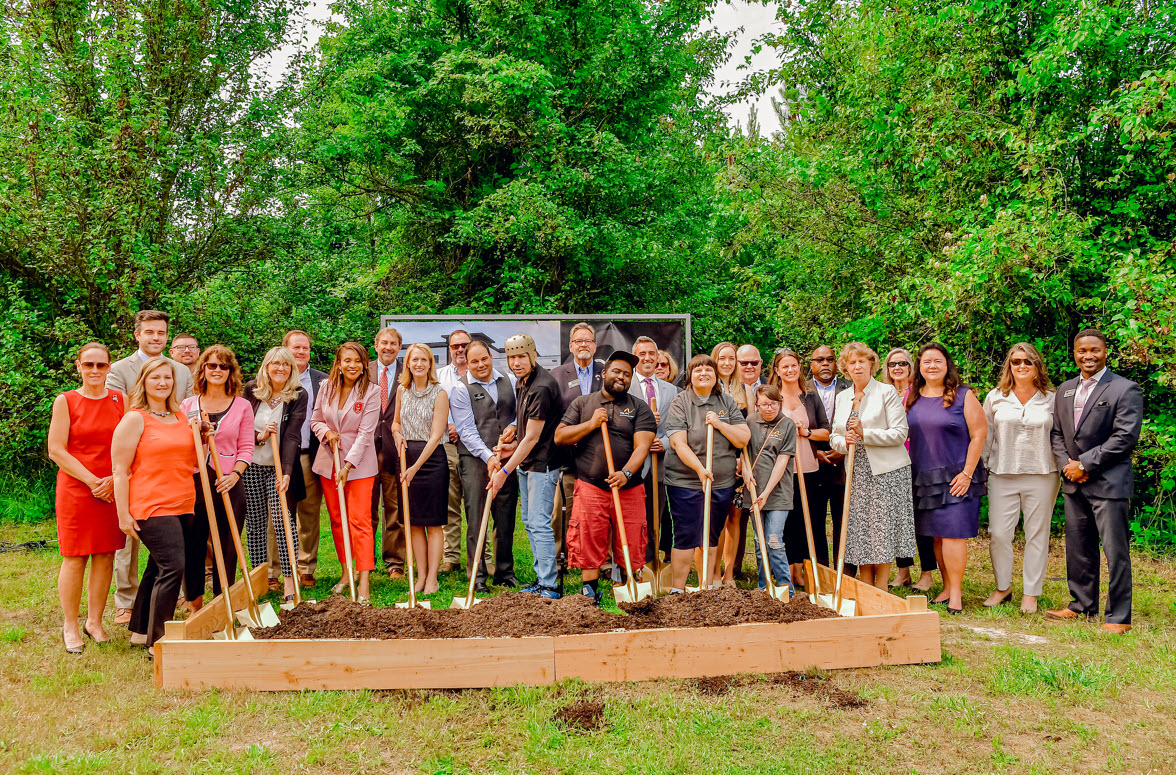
(1105,437)
(123,374)
(665,394)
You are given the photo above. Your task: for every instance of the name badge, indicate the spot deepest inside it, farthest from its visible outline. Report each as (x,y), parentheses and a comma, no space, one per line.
(574,383)
(478,396)
(1067,394)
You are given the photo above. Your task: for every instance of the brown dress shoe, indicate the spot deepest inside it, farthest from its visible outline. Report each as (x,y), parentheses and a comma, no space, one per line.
(122,616)
(395,574)
(1114,629)
(1064,615)
(448,567)
(306,580)
(275,585)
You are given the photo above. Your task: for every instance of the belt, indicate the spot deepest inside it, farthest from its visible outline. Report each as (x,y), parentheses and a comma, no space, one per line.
(305,451)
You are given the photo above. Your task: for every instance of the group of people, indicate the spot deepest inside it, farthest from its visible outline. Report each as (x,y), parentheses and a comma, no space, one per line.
(584,454)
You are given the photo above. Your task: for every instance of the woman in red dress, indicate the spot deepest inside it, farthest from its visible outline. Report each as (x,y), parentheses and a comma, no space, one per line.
(87,524)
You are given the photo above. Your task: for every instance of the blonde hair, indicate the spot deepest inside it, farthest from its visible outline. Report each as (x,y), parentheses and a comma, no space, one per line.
(406,375)
(732,384)
(673,373)
(891,354)
(139,391)
(1041,379)
(860,349)
(263,389)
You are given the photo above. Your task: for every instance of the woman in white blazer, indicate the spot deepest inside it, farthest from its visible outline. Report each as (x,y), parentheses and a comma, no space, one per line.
(881,511)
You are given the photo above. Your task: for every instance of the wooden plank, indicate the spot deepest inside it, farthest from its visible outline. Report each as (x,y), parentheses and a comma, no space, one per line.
(916,603)
(870,600)
(211,618)
(750,648)
(280,665)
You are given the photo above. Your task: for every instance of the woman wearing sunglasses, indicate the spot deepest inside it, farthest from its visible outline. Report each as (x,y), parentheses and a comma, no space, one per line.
(220,402)
(899,371)
(80,431)
(666,368)
(1022,474)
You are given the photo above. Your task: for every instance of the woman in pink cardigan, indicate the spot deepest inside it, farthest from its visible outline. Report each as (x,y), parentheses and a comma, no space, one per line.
(345,417)
(218,399)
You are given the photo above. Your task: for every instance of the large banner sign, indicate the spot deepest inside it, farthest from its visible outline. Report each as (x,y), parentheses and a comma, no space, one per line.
(552,333)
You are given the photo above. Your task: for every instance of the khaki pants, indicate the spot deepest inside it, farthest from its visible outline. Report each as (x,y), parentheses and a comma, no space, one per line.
(309,519)
(126,574)
(453,547)
(1010,496)
(392,537)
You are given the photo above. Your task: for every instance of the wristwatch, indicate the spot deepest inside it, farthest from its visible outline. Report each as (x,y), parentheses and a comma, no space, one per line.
(628,474)
(1080,466)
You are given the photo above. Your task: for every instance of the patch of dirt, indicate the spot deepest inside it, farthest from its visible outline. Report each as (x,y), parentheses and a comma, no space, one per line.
(717,685)
(583,716)
(999,635)
(818,686)
(518,615)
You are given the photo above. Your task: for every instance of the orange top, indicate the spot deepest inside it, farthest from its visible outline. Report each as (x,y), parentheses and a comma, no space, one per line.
(161,473)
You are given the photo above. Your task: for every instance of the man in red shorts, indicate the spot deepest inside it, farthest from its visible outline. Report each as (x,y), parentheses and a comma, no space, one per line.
(631,429)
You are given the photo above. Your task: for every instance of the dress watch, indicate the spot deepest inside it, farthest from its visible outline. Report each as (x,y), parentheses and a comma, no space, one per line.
(628,474)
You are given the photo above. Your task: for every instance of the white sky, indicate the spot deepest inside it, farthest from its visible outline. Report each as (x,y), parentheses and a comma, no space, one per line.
(748,20)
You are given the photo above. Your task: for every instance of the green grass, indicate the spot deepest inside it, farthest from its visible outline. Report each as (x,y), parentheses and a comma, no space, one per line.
(25,501)
(1075,702)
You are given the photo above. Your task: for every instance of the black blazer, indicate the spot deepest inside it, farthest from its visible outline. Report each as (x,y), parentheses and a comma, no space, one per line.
(569,383)
(289,438)
(316,379)
(1105,437)
(833,473)
(384,438)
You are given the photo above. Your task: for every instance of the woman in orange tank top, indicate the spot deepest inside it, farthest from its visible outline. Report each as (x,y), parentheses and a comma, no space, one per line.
(153,456)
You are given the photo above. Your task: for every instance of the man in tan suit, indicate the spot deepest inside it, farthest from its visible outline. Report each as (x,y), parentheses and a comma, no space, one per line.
(151,336)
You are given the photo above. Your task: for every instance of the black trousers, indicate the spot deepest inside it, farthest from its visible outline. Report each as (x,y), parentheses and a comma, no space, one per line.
(795,539)
(194,577)
(159,588)
(665,526)
(926,546)
(502,510)
(1089,520)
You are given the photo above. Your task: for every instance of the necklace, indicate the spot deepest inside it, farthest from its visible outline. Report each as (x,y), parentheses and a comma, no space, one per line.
(159,414)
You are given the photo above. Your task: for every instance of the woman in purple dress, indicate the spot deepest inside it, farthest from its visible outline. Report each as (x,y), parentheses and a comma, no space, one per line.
(947,434)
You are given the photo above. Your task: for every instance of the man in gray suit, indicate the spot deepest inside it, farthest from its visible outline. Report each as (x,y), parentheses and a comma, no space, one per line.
(151,336)
(1097,419)
(659,393)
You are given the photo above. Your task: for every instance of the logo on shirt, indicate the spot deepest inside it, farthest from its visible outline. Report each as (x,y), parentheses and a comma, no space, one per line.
(358,407)
(114,397)
(628,413)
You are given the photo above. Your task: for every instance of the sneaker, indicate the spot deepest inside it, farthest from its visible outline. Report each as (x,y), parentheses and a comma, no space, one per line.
(549,593)
(594,596)
(532,589)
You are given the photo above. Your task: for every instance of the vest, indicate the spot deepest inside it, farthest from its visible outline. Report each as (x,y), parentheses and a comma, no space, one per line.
(490,417)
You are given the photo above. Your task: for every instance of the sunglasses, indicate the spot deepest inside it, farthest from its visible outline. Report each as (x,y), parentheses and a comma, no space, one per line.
(898,365)
(95,365)
(662,366)
(458,345)
(218,366)
(749,363)
(1021,362)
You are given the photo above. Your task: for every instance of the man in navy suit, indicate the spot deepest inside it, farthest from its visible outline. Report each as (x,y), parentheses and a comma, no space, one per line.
(1097,419)
(310,507)
(385,371)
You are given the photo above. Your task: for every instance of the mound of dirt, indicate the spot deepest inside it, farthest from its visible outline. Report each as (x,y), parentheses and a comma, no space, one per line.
(583,715)
(818,686)
(517,615)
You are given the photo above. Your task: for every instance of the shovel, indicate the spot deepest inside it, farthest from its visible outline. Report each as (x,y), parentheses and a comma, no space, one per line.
(704,571)
(253,615)
(633,590)
(660,574)
(230,632)
(843,607)
(469,600)
(286,523)
(815,592)
(346,523)
(408,559)
(780,593)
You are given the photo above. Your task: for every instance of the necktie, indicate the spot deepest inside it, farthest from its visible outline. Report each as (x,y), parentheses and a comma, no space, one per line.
(650,395)
(1084,388)
(383,389)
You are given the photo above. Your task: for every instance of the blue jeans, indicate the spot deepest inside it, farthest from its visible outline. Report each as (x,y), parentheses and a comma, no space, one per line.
(536,500)
(777,557)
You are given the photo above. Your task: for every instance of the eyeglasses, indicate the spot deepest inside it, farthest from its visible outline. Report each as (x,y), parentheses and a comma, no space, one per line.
(458,345)
(583,342)
(95,365)
(218,366)
(185,347)
(750,363)
(898,365)
(1020,362)
(824,359)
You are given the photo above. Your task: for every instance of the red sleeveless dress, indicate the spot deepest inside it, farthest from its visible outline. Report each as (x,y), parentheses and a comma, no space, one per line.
(86,525)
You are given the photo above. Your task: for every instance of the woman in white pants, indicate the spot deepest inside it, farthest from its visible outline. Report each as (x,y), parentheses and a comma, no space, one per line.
(1022,474)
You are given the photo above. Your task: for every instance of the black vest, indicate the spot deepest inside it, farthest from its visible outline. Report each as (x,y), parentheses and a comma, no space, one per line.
(490,417)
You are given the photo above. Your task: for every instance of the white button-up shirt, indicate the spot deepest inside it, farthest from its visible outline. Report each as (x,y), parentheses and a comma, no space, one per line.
(1018,434)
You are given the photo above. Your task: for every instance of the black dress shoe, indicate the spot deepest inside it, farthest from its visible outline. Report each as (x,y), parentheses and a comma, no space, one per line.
(480,586)
(510,582)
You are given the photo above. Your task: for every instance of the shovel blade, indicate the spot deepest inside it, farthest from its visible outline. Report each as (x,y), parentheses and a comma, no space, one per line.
(420,604)
(848,607)
(269,617)
(287,606)
(781,593)
(460,602)
(622,594)
(245,618)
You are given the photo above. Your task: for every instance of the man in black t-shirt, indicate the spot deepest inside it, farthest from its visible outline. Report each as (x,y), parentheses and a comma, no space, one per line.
(631,429)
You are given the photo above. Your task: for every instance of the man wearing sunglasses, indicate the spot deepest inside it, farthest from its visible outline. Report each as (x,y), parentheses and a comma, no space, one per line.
(151,335)
(450,376)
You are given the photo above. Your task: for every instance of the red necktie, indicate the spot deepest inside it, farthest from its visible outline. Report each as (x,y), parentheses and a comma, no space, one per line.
(383,390)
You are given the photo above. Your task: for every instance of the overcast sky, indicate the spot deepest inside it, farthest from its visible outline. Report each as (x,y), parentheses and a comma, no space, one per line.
(747,20)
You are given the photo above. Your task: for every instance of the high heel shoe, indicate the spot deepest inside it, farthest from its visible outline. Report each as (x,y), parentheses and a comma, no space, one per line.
(993,601)
(90,635)
(71,649)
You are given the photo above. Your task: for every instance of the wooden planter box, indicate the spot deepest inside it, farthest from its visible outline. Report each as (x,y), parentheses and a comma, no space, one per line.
(887,630)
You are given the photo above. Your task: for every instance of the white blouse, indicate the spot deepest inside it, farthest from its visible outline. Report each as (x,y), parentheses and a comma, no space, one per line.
(1018,434)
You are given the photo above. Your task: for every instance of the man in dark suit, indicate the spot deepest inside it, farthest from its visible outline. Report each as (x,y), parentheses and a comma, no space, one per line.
(829,481)
(310,507)
(385,371)
(580,376)
(1097,419)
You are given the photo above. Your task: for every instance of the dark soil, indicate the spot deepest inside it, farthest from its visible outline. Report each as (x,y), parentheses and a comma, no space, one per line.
(584,715)
(517,615)
(717,685)
(818,686)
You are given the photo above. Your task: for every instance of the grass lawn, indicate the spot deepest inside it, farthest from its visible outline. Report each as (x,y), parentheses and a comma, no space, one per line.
(1012,694)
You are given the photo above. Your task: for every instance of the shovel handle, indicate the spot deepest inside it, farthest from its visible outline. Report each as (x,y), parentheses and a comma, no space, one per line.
(285,518)
(242,560)
(808,523)
(473,568)
(656,514)
(408,559)
(837,591)
(218,555)
(759,527)
(616,496)
(704,571)
(344,521)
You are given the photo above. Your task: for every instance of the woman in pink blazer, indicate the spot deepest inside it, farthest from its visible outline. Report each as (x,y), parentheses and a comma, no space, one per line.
(218,399)
(345,417)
